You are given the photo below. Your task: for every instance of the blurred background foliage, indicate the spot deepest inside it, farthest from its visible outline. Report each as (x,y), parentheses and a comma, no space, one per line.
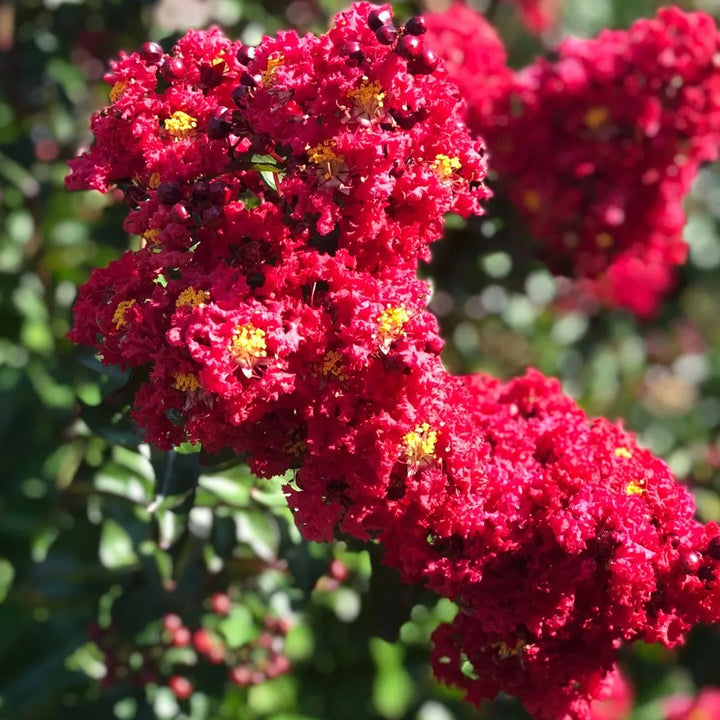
(104,543)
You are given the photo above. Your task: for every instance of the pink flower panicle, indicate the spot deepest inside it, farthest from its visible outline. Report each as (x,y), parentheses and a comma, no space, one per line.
(284,195)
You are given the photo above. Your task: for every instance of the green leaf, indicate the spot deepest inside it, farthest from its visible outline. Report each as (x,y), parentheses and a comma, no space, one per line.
(239,627)
(116,546)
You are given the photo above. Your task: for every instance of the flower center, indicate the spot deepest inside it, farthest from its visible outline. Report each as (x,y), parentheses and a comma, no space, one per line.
(445,165)
(180,124)
(420,444)
(186,382)
(390,325)
(248,347)
(635,487)
(596,116)
(120,310)
(332,365)
(274,62)
(368,98)
(324,155)
(191,296)
(117,90)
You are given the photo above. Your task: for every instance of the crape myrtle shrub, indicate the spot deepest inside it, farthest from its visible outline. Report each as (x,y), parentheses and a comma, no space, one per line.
(284,194)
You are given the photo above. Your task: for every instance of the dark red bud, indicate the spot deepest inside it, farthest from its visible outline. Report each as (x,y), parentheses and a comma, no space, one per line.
(378,18)
(219,126)
(386,34)
(713,548)
(151,52)
(213,217)
(247,79)
(245,54)
(416,25)
(409,47)
(425,64)
(219,193)
(180,213)
(240,95)
(200,191)
(173,68)
(168,193)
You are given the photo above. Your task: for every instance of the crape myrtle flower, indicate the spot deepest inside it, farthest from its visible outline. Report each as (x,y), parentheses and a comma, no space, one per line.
(575,538)
(538,15)
(599,145)
(682,707)
(284,195)
(474,55)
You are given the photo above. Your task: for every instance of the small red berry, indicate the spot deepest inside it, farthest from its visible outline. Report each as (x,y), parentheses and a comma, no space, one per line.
(240,675)
(181,637)
(171,622)
(338,571)
(182,688)
(220,604)
(203,641)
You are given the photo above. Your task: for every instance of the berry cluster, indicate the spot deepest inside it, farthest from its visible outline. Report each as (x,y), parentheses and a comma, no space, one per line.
(284,195)
(598,146)
(153,662)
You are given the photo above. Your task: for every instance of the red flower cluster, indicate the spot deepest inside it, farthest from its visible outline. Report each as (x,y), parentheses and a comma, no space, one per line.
(703,707)
(538,15)
(598,146)
(284,194)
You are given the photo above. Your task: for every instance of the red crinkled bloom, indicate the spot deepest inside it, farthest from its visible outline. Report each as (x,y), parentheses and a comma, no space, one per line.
(538,15)
(598,147)
(274,310)
(682,707)
(474,55)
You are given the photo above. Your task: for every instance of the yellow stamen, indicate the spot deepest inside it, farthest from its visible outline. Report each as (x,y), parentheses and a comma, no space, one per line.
(635,487)
(596,116)
(296,448)
(420,444)
(324,154)
(332,365)
(117,90)
(604,240)
(180,124)
(531,200)
(186,382)
(120,310)
(273,63)
(504,651)
(390,324)
(151,236)
(445,165)
(248,347)
(191,296)
(368,98)
(623,452)
(154,180)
